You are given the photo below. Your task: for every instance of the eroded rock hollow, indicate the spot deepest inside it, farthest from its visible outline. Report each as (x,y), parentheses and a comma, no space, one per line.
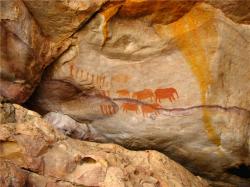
(167,75)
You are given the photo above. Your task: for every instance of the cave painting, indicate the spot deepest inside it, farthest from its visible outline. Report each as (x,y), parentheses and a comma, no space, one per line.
(123,93)
(130,107)
(107,109)
(147,108)
(165,93)
(137,104)
(150,108)
(98,81)
(143,94)
(159,94)
(85,78)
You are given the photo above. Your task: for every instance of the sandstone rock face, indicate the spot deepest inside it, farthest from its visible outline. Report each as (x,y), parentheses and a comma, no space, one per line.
(32,153)
(237,10)
(25,51)
(60,19)
(181,87)
(168,75)
(33,34)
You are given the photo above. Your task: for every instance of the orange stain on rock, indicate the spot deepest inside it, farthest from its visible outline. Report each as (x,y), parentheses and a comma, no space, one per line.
(108,13)
(172,8)
(187,34)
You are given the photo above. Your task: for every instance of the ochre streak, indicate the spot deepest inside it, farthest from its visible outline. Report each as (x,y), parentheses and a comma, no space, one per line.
(108,14)
(192,44)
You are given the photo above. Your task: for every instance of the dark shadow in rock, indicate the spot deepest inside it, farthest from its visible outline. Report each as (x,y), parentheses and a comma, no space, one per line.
(242,171)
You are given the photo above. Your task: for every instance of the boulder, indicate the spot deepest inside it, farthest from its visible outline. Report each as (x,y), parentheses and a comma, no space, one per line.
(33,153)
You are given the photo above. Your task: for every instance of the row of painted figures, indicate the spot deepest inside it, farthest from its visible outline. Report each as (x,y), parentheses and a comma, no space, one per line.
(133,107)
(158,94)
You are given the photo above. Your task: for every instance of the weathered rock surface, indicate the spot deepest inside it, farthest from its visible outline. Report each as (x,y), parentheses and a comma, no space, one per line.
(32,153)
(33,34)
(60,19)
(237,10)
(181,86)
(168,75)
(24,52)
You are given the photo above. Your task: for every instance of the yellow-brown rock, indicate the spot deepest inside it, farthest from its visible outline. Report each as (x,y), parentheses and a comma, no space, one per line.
(162,83)
(34,153)
(166,75)
(33,34)
(237,10)
(157,11)
(25,52)
(58,20)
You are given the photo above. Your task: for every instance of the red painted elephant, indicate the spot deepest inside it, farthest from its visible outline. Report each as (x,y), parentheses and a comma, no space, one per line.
(165,93)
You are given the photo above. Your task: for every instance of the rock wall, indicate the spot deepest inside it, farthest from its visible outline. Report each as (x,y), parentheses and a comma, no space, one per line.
(166,75)
(34,154)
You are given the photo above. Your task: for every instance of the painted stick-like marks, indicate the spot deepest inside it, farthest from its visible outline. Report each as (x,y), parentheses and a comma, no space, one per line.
(99,81)
(130,107)
(165,93)
(85,78)
(104,93)
(71,69)
(150,108)
(107,109)
(144,94)
(102,82)
(123,93)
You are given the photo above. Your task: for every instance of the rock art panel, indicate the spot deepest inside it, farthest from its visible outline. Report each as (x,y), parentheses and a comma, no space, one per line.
(166,93)
(180,87)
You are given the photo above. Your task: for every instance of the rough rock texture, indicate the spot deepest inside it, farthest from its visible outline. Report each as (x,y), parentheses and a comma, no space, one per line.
(60,19)
(33,34)
(166,75)
(237,10)
(180,86)
(32,153)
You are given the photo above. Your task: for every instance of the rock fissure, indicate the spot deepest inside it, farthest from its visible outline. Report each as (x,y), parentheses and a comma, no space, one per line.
(229,108)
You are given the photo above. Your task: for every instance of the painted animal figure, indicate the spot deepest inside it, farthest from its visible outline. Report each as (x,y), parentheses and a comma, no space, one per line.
(123,93)
(165,93)
(144,94)
(107,109)
(130,107)
(150,108)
